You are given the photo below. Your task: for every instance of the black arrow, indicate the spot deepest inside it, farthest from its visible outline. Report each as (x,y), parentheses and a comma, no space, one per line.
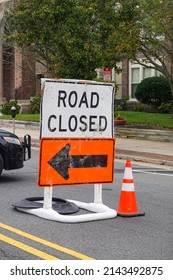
(62,161)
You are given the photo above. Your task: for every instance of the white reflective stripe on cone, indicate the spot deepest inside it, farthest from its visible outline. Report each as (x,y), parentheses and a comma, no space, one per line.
(128,187)
(128,173)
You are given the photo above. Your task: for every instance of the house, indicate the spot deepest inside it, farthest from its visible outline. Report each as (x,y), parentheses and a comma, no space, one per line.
(130,76)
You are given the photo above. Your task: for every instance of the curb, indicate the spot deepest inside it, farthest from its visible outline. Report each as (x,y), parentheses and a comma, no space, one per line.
(145,160)
(21,124)
(121,133)
(145,134)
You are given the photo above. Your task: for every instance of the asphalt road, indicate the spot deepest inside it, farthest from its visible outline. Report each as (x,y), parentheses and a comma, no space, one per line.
(146,237)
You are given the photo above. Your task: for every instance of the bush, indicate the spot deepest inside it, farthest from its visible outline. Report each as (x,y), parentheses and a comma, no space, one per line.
(119,108)
(35,104)
(6,107)
(154,91)
(121,104)
(139,108)
(165,108)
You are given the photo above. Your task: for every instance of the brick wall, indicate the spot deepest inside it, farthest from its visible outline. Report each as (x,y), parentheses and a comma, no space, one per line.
(19,79)
(25,77)
(8,73)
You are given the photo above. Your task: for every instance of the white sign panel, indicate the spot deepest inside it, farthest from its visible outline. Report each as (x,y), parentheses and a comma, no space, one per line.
(73,108)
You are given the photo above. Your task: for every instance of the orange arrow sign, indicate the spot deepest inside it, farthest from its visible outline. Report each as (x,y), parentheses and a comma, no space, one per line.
(75,161)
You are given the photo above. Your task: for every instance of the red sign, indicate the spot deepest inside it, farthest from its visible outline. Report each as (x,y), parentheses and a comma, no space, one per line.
(66,161)
(107,74)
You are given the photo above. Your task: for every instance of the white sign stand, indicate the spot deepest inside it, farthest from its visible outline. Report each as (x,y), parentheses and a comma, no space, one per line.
(100,211)
(98,193)
(48,198)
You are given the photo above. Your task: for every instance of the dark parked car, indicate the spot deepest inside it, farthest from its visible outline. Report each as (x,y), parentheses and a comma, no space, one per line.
(13,153)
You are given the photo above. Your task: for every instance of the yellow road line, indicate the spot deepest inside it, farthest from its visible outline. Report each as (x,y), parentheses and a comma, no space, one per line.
(27,248)
(46,243)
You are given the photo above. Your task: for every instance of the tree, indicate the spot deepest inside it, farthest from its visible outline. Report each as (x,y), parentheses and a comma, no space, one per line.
(70,37)
(146,27)
(60,33)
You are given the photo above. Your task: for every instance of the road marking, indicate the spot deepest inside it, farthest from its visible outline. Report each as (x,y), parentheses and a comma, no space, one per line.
(27,248)
(46,243)
(154,172)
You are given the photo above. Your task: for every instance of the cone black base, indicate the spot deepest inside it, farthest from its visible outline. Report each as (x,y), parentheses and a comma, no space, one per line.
(130,215)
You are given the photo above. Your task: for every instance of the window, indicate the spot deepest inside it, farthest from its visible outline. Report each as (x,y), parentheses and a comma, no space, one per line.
(157,73)
(135,80)
(118,79)
(146,72)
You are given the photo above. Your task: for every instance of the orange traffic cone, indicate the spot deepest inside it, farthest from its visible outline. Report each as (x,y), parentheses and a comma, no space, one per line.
(127,204)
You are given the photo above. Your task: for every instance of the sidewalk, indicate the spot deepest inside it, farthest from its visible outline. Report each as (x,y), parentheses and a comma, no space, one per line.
(136,150)
(145,151)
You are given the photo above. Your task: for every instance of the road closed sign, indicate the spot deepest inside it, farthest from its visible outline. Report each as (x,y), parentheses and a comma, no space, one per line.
(72,108)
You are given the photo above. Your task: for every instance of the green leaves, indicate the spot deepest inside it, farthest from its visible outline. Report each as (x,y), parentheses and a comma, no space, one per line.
(61,32)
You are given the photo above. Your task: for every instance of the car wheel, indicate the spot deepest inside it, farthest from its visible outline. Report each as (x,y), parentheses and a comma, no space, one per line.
(1,164)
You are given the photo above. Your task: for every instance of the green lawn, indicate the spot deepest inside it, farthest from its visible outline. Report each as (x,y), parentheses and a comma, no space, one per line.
(23,117)
(144,118)
(140,118)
